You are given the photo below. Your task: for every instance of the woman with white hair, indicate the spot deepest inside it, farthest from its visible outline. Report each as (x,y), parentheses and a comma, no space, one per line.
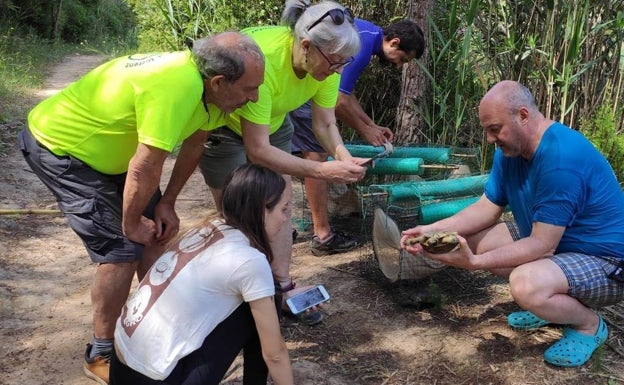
(304,58)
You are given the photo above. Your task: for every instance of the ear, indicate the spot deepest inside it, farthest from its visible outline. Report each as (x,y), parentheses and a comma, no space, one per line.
(395,42)
(215,82)
(523,114)
(305,45)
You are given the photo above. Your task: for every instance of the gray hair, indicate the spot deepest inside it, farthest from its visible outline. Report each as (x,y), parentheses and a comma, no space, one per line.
(343,39)
(224,54)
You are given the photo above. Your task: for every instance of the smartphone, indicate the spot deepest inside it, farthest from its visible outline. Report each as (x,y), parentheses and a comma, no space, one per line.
(376,156)
(305,300)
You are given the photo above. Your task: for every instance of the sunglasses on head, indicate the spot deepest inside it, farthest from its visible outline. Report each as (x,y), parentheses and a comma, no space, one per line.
(337,15)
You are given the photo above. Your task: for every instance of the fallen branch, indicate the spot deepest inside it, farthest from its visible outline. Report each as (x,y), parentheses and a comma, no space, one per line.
(30,211)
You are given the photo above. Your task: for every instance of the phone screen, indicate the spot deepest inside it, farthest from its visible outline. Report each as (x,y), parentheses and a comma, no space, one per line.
(307,299)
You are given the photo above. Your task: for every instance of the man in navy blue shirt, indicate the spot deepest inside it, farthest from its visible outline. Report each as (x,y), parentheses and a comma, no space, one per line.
(394,45)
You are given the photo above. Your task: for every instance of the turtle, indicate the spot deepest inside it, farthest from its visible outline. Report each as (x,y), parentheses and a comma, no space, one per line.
(439,242)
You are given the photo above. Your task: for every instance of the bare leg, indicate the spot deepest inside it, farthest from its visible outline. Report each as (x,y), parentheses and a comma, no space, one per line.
(282,245)
(490,239)
(109,292)
(216,195)
(541,287)
(317,194)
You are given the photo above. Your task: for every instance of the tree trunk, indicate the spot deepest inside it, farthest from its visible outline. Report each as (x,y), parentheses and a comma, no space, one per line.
(411,126)
(57,20)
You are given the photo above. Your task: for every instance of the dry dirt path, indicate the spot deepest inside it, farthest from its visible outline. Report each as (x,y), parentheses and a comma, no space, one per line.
(375,333)
(44,276)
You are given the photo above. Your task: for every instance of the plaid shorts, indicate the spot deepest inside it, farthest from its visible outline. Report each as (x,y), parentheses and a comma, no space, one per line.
(512,226)
(588,279)
(588,275)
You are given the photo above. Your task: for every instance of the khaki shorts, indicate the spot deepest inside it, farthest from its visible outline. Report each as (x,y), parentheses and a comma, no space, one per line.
(224,151)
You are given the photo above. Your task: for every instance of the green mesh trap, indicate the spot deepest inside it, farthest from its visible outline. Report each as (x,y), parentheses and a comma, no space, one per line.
(414,185)
(401,166)
(427,154)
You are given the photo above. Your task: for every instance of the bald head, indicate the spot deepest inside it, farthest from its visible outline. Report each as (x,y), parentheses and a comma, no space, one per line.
(511,120)
(511,95)
(225,54)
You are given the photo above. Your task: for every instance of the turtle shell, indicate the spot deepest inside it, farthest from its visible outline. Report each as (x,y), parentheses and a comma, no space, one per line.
(439,242)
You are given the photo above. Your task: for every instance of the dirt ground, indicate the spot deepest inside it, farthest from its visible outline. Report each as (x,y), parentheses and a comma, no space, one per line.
(449,328)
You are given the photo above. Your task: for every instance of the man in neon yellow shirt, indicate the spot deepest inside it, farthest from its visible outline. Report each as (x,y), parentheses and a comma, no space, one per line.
(100,145)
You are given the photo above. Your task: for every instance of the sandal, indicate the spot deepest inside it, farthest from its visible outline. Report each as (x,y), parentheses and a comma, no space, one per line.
(308,318)
(525,320)
(574,348)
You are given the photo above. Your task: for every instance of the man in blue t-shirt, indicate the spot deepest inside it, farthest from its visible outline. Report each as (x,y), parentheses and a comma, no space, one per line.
(566,255)
(395,45)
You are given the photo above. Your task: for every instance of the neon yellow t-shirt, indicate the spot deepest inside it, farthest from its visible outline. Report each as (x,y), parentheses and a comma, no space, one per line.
(154,99)
(282,91)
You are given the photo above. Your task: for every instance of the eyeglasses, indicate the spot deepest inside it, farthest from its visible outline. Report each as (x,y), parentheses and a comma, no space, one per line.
(337,15)
(335,65)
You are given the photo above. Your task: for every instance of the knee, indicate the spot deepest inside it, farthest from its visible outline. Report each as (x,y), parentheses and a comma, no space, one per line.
(523,287)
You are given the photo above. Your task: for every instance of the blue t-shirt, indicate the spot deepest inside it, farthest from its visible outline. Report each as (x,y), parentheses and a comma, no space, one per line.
(566,183)
(371,38)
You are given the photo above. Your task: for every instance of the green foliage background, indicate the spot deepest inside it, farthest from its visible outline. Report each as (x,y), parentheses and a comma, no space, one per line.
(165,24)
(570,54)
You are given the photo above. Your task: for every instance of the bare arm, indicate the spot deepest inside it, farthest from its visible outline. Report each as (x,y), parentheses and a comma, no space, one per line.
(274,349)
(502,260)
(325,129)
(260,151)
(185,164)
(474,218)
(142,180)
(351,113)
(477,217)
(542,243)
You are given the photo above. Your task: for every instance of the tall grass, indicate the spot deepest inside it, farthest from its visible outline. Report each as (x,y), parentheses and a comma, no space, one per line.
(23,62)
(601,129)
(168,24)
(570,54)
(451,71)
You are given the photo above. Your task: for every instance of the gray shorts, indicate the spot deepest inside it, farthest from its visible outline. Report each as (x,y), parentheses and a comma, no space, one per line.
(303,136)
(91,201)
(588,275)
(224,151)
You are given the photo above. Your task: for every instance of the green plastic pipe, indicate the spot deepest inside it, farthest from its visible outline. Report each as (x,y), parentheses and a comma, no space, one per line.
(432,212)
(436,189)
(401,166)
(427,154)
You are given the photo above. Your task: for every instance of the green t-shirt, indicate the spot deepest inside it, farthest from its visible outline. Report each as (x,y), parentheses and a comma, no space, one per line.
(282,91)
(154,99)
